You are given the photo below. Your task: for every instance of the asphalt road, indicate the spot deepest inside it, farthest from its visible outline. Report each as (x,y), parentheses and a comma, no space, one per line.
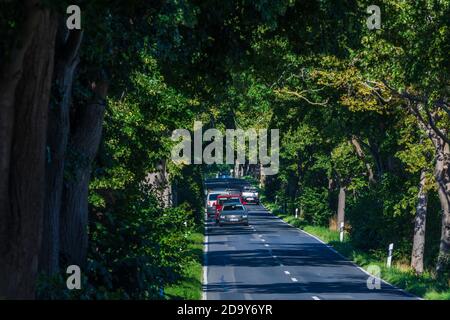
(270,260)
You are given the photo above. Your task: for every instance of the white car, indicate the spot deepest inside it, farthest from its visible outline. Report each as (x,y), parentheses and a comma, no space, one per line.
(211,202)
(250,195)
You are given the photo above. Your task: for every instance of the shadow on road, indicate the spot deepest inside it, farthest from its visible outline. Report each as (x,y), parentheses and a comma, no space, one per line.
(324,288)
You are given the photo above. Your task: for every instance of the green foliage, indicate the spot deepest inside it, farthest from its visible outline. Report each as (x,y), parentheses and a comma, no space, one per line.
(190,287)
(136,250)
(139,248)
(314,202)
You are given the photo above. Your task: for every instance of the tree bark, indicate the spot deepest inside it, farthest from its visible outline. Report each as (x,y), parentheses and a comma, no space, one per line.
(68,44)
(83,146)
(443,179)
(341,207)
(262,177)
(375,151)
(23,163)
(10,74)
(418,249)
(159,182)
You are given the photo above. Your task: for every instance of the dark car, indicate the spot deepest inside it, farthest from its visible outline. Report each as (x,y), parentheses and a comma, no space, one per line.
(233,214)
(226,198)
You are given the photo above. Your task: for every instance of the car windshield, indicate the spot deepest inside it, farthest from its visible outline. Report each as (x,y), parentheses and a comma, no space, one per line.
(232,202)
(213,196)
(226,200)
(233,208)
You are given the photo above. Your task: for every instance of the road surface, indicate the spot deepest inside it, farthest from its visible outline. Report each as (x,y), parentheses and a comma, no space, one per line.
(270,260)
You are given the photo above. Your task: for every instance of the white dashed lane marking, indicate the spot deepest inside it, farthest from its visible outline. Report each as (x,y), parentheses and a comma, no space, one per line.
(287,272)
(315,298)
(294,279)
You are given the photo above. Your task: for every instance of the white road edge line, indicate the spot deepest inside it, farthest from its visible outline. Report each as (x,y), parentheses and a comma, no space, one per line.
(205,264)
(346,259)
(358,267)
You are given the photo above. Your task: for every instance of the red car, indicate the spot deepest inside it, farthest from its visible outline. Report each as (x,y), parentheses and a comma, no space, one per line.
(226,198)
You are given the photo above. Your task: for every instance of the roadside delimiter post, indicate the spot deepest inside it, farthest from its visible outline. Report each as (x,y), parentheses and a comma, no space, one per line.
(341,232)
(389,258)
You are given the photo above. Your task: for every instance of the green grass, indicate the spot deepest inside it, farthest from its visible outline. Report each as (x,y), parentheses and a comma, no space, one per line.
(190,286)
(400,275)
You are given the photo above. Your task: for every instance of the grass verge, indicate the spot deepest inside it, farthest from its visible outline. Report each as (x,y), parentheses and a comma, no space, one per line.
(401,276)
(190,285)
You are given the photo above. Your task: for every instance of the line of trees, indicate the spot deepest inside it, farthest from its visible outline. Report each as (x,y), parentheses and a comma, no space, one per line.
(364,118)
(86,115)
(85,123)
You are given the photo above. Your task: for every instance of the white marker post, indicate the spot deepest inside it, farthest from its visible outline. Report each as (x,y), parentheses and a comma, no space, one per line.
(389,258)
(296,213)
(341,232)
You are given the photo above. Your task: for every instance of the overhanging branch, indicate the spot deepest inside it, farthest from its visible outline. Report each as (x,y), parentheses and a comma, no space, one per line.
(300,96)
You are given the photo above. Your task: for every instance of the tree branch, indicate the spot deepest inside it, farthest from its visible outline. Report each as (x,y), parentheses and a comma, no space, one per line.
(300,96)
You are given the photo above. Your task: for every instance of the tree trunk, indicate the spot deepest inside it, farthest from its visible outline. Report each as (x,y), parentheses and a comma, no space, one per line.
(419,226)
(262,177)
(23,163)
(362,156)
(159,182)
(10,74)
(68,44)
(341,207)
(375,151)
(443,179)
(83,146)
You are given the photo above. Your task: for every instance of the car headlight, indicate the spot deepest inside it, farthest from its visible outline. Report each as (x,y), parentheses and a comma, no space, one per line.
(222,217)
(244,216)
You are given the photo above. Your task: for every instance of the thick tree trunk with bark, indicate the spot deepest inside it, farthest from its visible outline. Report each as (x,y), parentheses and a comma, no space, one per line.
(443,179)
(440,140)
(10,74)
(341,206)
(23,163)
(159,183)
(67,47)
(83,146)
(420,219)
